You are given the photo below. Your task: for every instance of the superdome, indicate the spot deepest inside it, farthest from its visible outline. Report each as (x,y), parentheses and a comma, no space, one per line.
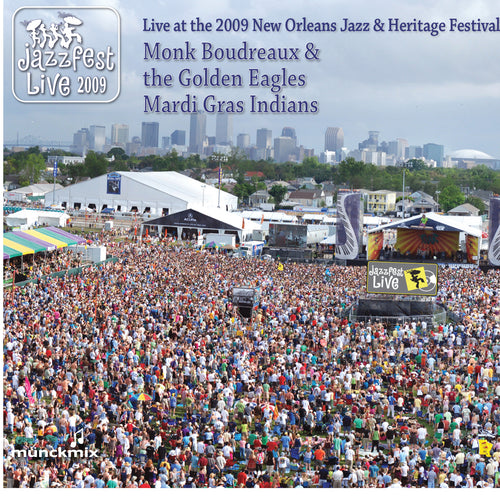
(470,154)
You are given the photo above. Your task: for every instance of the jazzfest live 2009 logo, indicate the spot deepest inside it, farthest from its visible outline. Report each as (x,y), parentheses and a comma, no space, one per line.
(68,55)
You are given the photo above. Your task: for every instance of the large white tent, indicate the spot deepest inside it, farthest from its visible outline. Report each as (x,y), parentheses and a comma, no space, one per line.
(30,218)
(158,193)
(34,190)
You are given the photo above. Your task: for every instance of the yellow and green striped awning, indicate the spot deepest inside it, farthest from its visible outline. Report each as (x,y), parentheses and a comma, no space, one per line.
(31,241)
(36,233)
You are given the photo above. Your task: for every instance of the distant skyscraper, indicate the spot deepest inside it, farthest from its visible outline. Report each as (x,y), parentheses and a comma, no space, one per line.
(334,139)
(97,138)
(119,133)
(289,132)
(81,142)
(197,132)
(243,141)
(264,138)
(284,148)
(398,148)
(414,152)
(165,142)
(372,142)
(178,138)
(150,134)
(224,129)
(434,152)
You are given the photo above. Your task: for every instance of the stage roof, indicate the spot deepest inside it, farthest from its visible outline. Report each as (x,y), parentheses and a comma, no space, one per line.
(434,221)
(203,218)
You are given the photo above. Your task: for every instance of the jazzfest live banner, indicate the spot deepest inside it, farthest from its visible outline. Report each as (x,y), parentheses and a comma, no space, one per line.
(375,244)
(431,242)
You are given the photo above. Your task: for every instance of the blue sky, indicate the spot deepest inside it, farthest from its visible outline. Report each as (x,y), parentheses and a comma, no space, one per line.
(443,89)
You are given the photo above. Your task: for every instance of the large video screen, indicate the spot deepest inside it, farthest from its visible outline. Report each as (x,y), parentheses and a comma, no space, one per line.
(287,235)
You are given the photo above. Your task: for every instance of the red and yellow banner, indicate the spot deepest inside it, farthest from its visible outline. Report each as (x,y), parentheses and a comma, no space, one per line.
(472,246)
(375,244)
(427,240)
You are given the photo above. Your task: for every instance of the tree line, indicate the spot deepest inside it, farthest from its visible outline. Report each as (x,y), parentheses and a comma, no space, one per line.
(30,166)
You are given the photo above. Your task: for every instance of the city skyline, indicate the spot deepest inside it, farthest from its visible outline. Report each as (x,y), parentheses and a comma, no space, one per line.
(263,144)
(210,128)
(426,89)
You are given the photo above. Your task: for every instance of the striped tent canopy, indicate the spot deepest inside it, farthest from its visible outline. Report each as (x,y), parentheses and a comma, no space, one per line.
(31,241)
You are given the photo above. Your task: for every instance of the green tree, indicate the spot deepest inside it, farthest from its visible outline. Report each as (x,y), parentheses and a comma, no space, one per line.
(476,202)
(119,166)
(450,197)
(95,164)
(73,172)
(243,190)
(353,173)
(118,153)
(416,164)
(278,192)
(31,169)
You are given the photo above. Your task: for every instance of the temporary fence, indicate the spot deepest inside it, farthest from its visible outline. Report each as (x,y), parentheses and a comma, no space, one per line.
(60,274)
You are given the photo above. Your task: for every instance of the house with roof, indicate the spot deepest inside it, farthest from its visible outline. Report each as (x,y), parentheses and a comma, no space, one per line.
(466,209)
(418,203)
(258,198)
(381,201)
(310,198)
(254,174)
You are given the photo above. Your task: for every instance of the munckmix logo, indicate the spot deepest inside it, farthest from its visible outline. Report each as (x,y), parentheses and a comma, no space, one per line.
(67,56)
(41,453)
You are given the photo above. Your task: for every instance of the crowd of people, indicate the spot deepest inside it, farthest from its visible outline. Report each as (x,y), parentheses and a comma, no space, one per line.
(142,373)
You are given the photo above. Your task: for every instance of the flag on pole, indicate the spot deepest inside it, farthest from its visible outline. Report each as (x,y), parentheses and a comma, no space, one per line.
(27,386)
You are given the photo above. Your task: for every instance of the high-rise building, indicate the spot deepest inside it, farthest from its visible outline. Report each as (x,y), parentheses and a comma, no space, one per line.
(398,148)
(97,138)
(434,152)
(81,141)
(165,142)
(150,133)
(119,134)
(243,141)
(264,138)
(197,132)
(133,147)
(334,139)
(178,138)
(414,152)
(372,142)
(289,132)
(284,149)
(224,129)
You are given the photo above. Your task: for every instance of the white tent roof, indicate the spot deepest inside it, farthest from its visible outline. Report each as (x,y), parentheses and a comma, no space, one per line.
(29,217)
(234,219)
(435,221)
(36,189)
(175,184)
(268,216)
(320,217)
